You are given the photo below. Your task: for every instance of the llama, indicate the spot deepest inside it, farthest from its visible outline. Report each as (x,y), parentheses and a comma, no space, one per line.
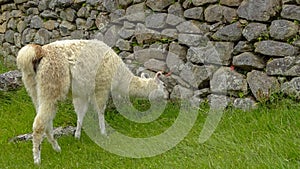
(88,67)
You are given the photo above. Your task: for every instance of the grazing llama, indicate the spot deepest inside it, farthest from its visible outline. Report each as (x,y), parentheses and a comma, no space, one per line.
(90,66)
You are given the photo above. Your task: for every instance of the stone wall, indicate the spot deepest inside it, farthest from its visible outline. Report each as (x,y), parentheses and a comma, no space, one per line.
(241,49)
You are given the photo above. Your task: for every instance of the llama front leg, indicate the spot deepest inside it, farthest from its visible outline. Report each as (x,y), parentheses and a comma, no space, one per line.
(81,106)
(100,104)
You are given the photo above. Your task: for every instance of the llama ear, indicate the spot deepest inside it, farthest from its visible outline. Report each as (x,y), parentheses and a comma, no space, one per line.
(157,75)
(145,75)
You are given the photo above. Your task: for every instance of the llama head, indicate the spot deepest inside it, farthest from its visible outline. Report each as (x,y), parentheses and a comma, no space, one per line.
(156,84)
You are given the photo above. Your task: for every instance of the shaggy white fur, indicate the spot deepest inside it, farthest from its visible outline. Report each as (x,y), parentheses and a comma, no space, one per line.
(90,66)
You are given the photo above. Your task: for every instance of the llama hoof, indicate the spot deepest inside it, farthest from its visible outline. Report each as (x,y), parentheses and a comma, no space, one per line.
(77,136)
(37,161)
(57,148)
(104,134)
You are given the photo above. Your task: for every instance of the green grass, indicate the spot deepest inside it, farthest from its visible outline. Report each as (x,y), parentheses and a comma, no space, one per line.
(268,137)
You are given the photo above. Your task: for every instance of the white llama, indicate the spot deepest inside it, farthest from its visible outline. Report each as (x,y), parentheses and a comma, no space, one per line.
(90,66)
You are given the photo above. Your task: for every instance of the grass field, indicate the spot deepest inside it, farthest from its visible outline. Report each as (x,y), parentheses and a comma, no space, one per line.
(268,137)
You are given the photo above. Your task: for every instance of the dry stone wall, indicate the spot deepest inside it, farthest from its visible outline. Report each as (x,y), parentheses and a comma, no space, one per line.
(240,49)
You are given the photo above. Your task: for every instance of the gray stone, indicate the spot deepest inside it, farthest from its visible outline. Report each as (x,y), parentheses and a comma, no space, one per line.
(111,36)
(243,46)
(21,26)
(192,27)
(255,30)
(292,88)
(123,45)
(136,13)
(258,10)
(155,65)
(32,11)
(81,24)
(93,2)
(227,81)
(36,22)
(174,63)
(20,1)
(16,13)
(187,4)
(126,33)
(213,53)
(179,81)
(68,14)
(202,92)
(146,35)
(63,3)
(42,36)
(180,92)
(156,20)
(82,12)
(229,14)
(203,2)
(192,39)
(218,102)
(49,14)
(288,66)
(195,75)
(248,61)
(9,36)
(125,3)
(176,9)
(66,27)
(50,25)
(79,34)
(262,85)
(28,35)
(3,27)
(288,1)
(98,36)
(171,34)
(231,2)
(17,40)
(232,32)
(291,12)
(12,24)
(110,5)
(43,5)
(11,80)
(158,5)
(283,29)
(216,13)
(276,49)
(245,104)
(174,20)
(102,21)
(142,56)
(178,50)
(297,43)
(194,13)
(8,7)
(1,39)
(117,15)
(213,13)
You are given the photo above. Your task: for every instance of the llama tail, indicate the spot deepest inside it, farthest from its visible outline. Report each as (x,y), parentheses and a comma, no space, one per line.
(29,57)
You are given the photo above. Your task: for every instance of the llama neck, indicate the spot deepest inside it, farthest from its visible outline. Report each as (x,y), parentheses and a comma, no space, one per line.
(140,87)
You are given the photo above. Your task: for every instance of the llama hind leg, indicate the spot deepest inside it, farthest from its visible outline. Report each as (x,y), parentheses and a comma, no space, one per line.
(50,136)
(44,116)
(81,106)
